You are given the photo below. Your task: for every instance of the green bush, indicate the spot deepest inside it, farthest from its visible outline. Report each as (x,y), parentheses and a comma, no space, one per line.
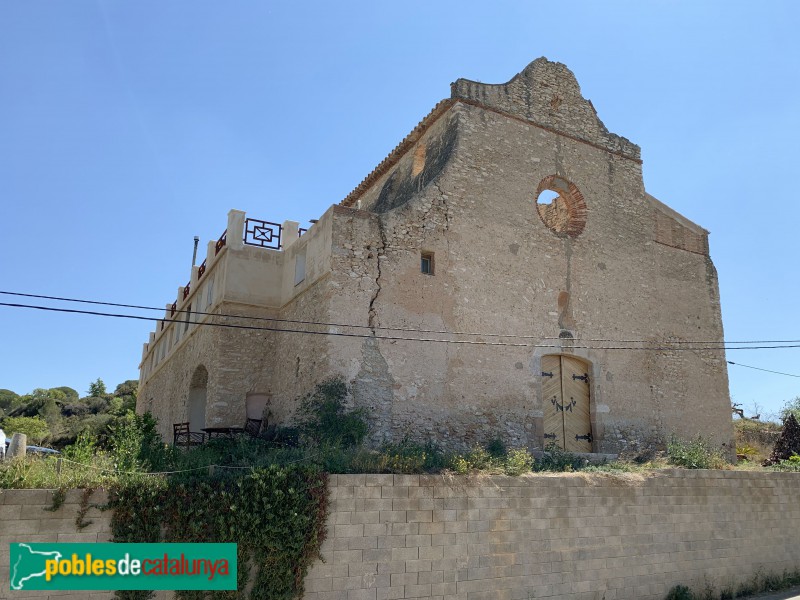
(82,451)
(680,592)
(497,448)
(35,428)
(325,420)
(276,515)
(557,459)
(279,436)
(517,462)
(475,460)
(136,444)
(694,454)
(411,457)
(791,464)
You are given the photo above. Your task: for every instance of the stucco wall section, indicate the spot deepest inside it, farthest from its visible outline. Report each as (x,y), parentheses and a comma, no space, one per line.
(576,537)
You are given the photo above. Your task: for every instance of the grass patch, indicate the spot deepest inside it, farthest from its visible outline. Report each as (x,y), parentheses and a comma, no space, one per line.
(755,439)
(694,454)
(760,582)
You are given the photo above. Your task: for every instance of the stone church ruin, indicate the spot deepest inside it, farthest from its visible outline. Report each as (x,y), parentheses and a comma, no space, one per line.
(502,273)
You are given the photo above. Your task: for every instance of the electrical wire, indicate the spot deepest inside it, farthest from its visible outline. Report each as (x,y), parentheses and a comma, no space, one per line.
(395,338)
(373,328)
(730,362)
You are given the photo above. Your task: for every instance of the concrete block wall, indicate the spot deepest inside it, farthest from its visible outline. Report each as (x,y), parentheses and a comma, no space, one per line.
(576,536)
(23,518)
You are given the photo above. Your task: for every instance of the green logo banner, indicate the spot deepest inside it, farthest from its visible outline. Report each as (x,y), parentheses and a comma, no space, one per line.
(122,567)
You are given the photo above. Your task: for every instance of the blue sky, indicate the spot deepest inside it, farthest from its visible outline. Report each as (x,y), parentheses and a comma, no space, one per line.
(126,128)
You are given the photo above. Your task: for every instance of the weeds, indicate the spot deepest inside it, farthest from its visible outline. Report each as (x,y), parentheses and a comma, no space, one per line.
(695,454)
(325,420)
(557,459)
(518,461)
(792,464)
(760,582)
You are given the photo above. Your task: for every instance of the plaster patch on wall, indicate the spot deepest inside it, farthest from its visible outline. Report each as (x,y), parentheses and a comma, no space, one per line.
(373,389)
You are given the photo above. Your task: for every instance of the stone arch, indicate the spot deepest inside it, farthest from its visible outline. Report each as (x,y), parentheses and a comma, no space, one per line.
(566,213)
(198,395)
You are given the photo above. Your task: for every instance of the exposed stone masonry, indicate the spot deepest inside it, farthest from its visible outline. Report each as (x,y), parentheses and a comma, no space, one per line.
(507,289)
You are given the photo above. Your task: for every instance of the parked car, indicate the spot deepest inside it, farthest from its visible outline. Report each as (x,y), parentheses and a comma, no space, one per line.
(35,449)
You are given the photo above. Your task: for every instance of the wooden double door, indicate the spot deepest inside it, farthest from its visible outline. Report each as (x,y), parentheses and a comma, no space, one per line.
(566,403)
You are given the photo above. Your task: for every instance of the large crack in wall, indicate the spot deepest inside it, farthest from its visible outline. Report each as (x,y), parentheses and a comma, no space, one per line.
(379,255)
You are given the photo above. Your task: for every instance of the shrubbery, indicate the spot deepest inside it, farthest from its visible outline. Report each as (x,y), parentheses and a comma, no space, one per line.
(65,415)
(34,427)
(694,454)
(326,421)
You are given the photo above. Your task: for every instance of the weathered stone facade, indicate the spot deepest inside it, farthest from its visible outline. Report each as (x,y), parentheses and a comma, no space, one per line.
(603,279)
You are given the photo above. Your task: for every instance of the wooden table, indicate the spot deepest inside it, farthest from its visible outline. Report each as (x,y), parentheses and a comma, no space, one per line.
(223,432)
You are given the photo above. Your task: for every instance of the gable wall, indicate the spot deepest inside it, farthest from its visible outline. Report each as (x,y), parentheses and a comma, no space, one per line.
(499,269)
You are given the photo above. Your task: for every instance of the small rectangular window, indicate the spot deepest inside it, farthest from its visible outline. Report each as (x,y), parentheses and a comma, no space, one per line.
(210,293)
(426,264)
(300,267)
(187,322)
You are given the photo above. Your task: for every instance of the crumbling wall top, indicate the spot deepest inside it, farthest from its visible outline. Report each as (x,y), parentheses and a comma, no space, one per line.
(546,93)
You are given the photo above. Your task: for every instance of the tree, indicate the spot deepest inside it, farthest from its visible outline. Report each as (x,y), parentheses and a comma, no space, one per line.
(789,442)
(70,393)
(127,388)
(8,399)
(97,389)
(34,427)
(791,407)
(124,397)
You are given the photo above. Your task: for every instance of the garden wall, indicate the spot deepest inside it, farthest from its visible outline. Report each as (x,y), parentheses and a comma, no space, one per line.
(24,518)
(576,536)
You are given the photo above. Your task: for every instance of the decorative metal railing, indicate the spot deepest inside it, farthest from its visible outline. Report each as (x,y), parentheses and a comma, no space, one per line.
(262,233)
(223,239)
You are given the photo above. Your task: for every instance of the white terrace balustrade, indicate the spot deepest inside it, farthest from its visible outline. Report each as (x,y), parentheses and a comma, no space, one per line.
(254,273)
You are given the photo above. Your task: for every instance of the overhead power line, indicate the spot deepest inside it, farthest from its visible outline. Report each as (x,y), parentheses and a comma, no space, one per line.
(730,362)
(388,337)
(381,328)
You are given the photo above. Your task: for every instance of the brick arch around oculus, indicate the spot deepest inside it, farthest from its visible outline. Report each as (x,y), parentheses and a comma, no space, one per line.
(567,213)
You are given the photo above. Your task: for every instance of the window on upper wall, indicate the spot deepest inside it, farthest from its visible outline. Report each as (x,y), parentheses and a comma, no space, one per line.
(426,263)
(186,322)
(210,292)
(300,267)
